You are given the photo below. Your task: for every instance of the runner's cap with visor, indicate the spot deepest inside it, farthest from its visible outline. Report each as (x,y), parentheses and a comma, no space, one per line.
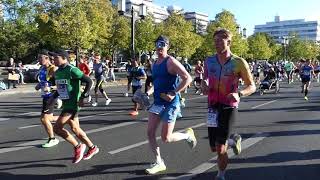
(162,42)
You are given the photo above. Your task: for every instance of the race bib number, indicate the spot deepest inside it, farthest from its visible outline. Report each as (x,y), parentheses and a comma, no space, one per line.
(62,88)
(212,118)
(156,109)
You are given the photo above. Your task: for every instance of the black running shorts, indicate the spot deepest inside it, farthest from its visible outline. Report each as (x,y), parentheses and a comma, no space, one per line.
(226,118)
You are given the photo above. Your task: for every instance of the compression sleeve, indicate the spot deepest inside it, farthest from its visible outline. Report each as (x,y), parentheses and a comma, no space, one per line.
(88,82)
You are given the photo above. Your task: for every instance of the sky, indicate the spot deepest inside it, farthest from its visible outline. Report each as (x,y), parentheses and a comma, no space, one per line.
(249,13)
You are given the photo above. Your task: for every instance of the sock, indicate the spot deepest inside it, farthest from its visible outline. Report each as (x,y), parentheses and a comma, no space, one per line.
(51,138)
(181,136)
(158,157)
(78,145)
(231,142)
(221,173)
(92,147)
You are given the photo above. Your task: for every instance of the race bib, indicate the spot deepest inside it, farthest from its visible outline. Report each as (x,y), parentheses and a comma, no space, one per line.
(62,88)
(156,109)
(306,73)
(212,118)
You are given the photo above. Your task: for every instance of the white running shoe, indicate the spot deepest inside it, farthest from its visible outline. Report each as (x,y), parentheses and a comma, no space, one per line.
(108,101)
(94,104)
(156,167)
(126,94)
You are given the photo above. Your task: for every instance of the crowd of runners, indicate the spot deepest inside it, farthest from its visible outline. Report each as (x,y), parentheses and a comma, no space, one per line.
(224,77)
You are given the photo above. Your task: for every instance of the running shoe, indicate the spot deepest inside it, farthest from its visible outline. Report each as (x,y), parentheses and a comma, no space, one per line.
(126,94)
(51,142)
(192,141)
(134,113)
(306,98)
(78,153)
(237,144)
(94,104)
(108,101)
(91,152)
(156,167)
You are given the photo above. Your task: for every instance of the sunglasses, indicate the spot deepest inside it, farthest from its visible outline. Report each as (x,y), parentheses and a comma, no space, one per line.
(161,44)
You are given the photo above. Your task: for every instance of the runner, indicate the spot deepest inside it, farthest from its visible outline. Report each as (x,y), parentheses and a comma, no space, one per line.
(306,73)
(68,80)
(166,106)
(222,72)
(46,77)
(99,69)
(148,71)
(128,69)
(198,72)
(84,67)
(289,67)
(317,70)
(137,74)
(256,69)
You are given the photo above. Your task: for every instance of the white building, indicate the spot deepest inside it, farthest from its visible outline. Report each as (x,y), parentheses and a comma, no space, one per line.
(199,20)
(306,30)
(161,13)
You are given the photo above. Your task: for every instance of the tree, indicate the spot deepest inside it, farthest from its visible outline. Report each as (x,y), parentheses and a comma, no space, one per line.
(17,35)
(145,35)
(225,19)
(70,24)
(259,46)
(183,40)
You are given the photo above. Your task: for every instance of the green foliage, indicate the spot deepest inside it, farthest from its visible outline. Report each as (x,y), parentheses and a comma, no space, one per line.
(259,46)
(183,40)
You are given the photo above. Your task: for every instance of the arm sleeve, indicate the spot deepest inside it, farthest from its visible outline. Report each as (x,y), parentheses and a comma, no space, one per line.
(88,86)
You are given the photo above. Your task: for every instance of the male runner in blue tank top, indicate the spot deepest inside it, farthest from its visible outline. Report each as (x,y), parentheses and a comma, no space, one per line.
(166,106)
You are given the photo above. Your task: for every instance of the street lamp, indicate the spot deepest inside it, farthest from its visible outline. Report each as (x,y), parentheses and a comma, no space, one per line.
(142,14)
(242,33)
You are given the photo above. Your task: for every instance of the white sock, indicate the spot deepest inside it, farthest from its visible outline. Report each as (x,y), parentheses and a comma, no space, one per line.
(231,143)
(158,157)
(221,173)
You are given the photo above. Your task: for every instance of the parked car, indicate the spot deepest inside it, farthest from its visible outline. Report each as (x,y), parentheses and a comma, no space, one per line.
(121,67)
(31,71)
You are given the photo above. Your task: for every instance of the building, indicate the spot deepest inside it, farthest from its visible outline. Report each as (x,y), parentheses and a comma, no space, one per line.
(199,20)
(161,13)
(306,30)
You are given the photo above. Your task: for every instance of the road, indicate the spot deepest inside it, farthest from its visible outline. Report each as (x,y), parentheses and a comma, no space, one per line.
(280,140)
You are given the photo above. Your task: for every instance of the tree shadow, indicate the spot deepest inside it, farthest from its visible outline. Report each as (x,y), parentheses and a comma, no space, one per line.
(95,170)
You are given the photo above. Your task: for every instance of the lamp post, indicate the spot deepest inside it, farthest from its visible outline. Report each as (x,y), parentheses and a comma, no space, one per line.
(285,42)
(142,14)
(242,33)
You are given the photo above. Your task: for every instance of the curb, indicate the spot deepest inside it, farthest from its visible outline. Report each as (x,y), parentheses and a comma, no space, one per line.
(25,90)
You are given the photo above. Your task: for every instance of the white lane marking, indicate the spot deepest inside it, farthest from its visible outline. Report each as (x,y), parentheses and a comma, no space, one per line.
(84,117)
(212,162)
(145,142)
(31,144)
(25,127)
(255,107)
(30,113)
(4,119)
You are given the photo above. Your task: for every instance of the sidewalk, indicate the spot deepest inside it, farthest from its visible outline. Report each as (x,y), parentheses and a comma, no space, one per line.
(29,88)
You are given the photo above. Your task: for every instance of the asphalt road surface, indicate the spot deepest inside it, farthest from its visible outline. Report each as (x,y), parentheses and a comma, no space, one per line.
(280,140)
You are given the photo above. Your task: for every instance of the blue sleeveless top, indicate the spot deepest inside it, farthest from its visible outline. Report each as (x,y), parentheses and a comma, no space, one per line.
(163,82)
